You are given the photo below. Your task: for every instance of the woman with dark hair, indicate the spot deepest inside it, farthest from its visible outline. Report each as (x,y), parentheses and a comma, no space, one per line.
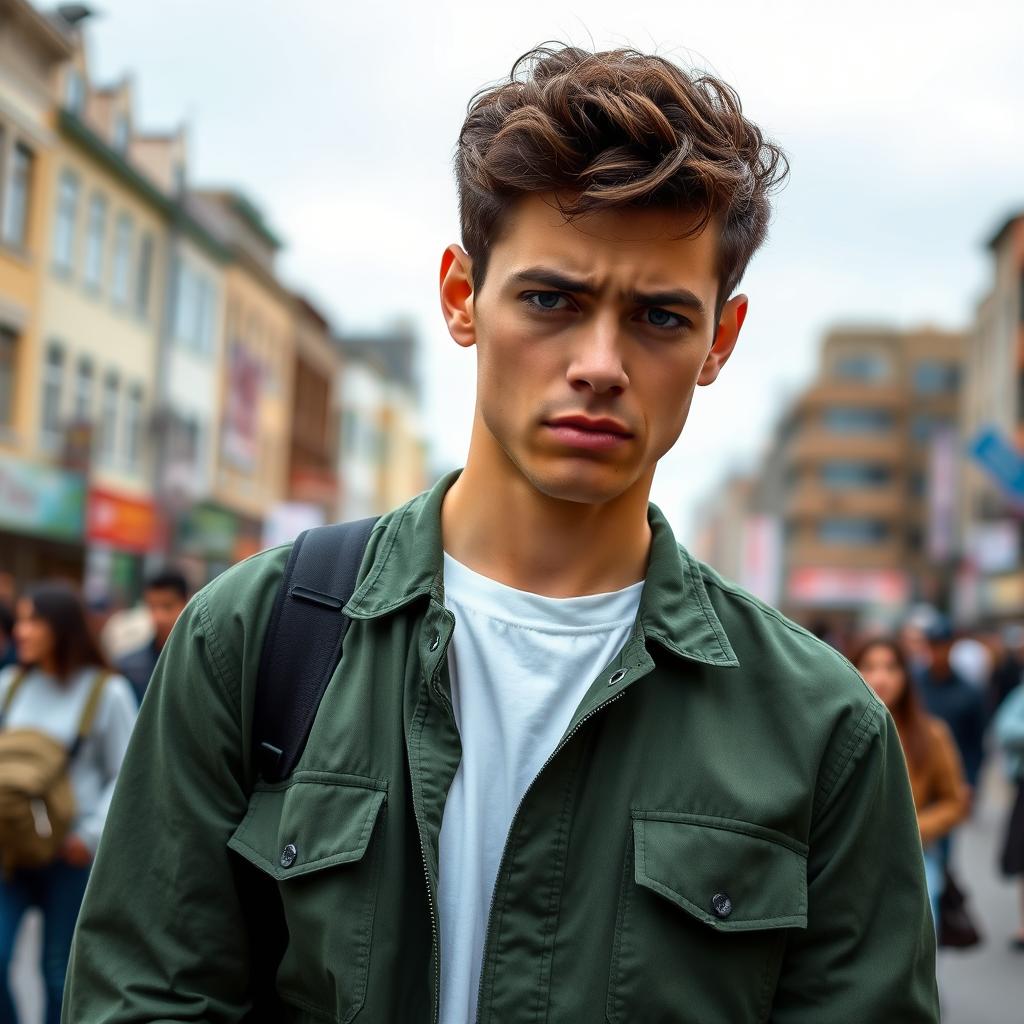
(936,776)
(60,673)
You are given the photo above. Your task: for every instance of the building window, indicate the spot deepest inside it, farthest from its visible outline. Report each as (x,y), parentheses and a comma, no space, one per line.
(867,367)
(8,353)
(108,417)
(132,427)
(924,427)
(145,273)
(917,484)
(852,531)
(16,197)
(122,131)
(842,475)
(854,420)
(94,240)
(932,378)
(74,91)
(84,377)
(53,389)
(64,229)
(122,259)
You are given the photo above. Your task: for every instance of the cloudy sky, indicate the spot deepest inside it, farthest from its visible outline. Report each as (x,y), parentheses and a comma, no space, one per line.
(902,121)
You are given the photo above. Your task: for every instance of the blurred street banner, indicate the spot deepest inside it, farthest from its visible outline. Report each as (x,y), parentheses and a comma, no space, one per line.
(240,435)
(825,587)
(762,557)
(287,519)
(942,494)
(1003,460)
(41,501)
(128,524)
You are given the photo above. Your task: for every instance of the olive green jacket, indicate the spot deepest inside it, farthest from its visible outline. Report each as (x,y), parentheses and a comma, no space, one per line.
(724,835)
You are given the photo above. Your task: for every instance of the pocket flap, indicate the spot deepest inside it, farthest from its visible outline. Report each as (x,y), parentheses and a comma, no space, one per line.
(311,821)
(732,875)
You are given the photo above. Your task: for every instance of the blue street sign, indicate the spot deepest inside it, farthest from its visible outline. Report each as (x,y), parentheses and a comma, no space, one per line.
(1003,460)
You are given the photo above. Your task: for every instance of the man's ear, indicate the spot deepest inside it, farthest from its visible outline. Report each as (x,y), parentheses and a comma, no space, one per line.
(734,312)
(457,295)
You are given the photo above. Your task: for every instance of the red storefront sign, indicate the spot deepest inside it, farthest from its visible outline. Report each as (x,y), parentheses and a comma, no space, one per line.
(130,524)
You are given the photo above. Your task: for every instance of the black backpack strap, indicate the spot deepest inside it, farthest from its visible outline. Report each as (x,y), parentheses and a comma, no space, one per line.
(302,645)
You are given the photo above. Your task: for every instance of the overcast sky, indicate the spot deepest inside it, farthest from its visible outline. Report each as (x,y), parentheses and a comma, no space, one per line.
(902,120)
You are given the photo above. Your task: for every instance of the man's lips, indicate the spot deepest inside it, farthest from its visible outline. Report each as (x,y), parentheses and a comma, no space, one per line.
(583,432)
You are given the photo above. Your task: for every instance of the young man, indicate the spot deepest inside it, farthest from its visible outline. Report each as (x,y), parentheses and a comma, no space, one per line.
(165,596)
(563,772)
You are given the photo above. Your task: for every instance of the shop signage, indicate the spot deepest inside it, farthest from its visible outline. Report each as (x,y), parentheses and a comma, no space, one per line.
(848,588)
(40,500)
(129,524)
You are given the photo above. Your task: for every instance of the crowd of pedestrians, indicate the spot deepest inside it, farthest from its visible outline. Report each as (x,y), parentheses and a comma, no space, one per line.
(67,709)
(957,698)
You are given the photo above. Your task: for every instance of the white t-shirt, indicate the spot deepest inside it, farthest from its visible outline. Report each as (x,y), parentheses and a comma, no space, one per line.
(520,664)
(56,708)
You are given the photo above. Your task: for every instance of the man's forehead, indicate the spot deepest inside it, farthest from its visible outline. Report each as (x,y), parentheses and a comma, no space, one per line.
(657,245)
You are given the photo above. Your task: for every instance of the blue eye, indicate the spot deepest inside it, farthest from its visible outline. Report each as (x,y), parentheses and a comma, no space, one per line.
(544,300)
(663,318)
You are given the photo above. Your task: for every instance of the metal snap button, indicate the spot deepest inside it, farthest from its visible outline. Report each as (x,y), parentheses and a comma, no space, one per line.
(435,643)
(721,905)
(617,677)
(289,855)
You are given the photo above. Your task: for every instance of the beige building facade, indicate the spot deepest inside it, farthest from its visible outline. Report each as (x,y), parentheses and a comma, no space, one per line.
(867,460)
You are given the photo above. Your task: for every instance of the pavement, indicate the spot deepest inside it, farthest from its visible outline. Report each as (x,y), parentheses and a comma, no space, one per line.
(984,985)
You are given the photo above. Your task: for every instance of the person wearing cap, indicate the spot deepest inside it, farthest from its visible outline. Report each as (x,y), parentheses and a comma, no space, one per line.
(950,697)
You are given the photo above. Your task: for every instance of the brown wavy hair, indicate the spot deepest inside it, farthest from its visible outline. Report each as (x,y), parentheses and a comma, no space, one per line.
(616,129)
(908,713)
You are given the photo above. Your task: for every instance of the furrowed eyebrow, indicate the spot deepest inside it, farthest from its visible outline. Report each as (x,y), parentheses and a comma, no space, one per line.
(684,298)
(561,282)
(553,279)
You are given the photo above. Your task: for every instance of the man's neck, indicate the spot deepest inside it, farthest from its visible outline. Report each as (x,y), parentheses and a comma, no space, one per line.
(498,524)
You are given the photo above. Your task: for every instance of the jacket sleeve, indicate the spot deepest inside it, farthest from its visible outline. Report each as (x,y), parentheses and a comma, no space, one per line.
(868,952)
(948,805)
(160,937)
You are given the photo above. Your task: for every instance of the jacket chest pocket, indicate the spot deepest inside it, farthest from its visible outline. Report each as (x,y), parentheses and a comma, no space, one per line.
(703,914)
(317,836)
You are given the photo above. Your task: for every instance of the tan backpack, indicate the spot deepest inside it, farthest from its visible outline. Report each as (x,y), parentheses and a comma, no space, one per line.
(37,804)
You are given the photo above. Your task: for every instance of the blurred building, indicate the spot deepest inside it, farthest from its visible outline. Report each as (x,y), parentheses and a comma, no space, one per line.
(253,442)
(163,393)
(313,477)
(382,455)
(861,476)
(42,506)
(990,580)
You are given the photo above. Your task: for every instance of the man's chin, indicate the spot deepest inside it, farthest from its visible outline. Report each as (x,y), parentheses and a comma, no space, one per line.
(585,485)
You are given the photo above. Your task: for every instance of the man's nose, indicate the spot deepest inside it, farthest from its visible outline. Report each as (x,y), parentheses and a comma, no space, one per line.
(597,360)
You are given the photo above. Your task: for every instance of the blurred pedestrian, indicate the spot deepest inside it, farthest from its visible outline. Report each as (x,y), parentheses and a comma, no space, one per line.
(1009,730)
(936,778)
(165,596)
(7,652)
(949,697)
(1009,667)
(61,680)
(972,661)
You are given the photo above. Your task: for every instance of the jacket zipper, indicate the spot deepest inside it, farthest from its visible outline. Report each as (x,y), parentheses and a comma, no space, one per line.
(434,931)
(515,817)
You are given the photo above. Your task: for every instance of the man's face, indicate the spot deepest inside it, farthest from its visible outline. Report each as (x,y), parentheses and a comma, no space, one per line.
(164,605)
(591,338)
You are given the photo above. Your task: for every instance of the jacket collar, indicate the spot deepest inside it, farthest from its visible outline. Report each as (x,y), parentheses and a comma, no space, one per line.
(675,610)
